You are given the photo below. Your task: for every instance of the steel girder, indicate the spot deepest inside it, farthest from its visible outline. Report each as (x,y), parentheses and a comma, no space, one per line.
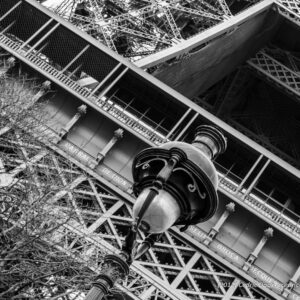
(278,73)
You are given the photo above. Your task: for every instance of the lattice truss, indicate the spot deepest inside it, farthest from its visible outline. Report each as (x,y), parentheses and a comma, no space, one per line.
(98,224)
(282,67)
(48,198)
(278,67)
(137,28)
(290,9)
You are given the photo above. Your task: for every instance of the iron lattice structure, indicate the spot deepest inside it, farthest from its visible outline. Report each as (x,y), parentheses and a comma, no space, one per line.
(281,67)
(136,29)
(276,66)
(173,269)
(170,270)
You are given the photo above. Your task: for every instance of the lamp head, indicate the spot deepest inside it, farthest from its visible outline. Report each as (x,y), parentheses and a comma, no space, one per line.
(176,183)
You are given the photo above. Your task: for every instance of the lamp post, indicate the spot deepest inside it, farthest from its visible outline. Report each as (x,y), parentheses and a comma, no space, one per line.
(175,184)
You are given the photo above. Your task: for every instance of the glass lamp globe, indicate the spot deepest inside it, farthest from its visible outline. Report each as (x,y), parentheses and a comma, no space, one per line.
(176,182)
(161,214)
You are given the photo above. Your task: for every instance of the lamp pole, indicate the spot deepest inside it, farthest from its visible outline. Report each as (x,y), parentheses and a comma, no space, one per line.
(175,184)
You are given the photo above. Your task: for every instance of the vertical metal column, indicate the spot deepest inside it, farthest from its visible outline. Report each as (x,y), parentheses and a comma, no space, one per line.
(249,173)
(118,134)
(253,256)
(229,209)
(256,179)
(81,110)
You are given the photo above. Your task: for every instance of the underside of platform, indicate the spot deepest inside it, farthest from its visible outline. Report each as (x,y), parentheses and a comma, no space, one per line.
(208,63)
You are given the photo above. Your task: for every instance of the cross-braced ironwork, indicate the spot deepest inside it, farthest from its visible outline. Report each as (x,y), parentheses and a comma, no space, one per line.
(279,74)
(136,29)
(170,270)
(102,213)
(289,9)
(153,134)
(139,28)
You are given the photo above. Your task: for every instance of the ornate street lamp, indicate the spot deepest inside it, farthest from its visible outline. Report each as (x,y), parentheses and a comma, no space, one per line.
(175,184)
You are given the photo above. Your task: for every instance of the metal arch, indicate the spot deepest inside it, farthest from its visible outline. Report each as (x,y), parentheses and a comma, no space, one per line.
(204,37)
(154,24)
(138,21)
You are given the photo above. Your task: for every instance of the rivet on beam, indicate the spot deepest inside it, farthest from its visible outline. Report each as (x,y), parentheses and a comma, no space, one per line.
(81,110)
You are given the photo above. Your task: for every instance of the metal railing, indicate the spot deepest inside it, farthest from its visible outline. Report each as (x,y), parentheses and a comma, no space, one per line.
(143,129)
(269,207)
(256,199)
(114,110)
(141,118)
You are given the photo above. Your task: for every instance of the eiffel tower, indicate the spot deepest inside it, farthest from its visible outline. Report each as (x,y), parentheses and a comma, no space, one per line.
(233,64)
